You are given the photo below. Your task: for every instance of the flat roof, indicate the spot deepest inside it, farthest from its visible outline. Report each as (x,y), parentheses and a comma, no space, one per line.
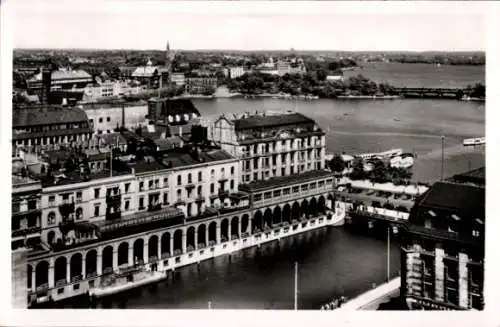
(274,120)
(24,117)
(276,182)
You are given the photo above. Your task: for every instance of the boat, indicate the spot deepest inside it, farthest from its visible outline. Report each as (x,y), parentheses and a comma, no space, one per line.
(382,155)
(474,141)
(400,162)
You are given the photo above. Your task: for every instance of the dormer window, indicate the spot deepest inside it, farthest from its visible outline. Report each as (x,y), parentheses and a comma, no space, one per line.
(428,223)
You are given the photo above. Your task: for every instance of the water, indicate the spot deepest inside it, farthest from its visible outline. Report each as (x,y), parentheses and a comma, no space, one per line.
(358,126)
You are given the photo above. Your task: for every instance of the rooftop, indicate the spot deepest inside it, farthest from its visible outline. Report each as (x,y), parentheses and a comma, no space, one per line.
(145,71)
(462,198)
(75,177)
(64,75)
(172,107)
(476,177)
(268,121)
(275,182)
(182,158)
(46,116)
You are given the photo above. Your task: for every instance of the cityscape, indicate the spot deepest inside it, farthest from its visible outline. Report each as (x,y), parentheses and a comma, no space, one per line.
(236,179)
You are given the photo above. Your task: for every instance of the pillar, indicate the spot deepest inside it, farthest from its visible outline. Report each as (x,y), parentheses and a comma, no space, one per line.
(206,235)
(51,275)
(99,263)
(196,238)
(439,273)
(159,247)
(463,280)
(68,271)
(146,252)
(217,234)
(33,279)
(171,249)
(239,226)
(84,267)
(184,241)
(130,260)
(115,259)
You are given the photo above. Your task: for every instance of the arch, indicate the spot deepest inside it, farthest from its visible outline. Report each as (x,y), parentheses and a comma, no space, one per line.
(30,271)
(190,237)
(295,210)
(277,215)
(313,208)
(139,250)
(51,237)
(257,221)
(268,218)
(244,223)
(41,273)
(202,231)
(212,232)
(286,213)
(153,246)
(123,254)
(165,244)
(79,213)
(60,269)
(107,258)
(91,262)
(321,205)
(178,240)
(235,222)
(224,230)
(75,265)
(303,209)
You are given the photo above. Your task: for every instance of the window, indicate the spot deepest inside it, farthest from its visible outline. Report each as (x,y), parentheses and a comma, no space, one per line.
(190,179)
(79,196)
(475,233)
(200,176)
(283,171)
(141,186)
(157,183)
(15,207)
(232,170)
(165,198)
(150,184)
(165,182)
(199,190)
(295,189)
(96,193)
(212,188)
(141,202)
(51,218)
(231,185)
(179,195)
(52,199)
(179,179)
(127,205)
(267,195)
(304,187)
(321,183)
(286,191)
(222,172)
(127,187)
(96,211)
(277,193)
(428,223)
(100,119)
(108,119)
(212,173)
(257,197)
(255,163)
(79,213)
(312,186)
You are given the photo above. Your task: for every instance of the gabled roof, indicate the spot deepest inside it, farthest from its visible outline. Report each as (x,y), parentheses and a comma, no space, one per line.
(46,116)
(267,121)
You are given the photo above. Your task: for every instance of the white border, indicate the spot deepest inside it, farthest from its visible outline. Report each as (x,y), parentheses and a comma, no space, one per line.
(489,317)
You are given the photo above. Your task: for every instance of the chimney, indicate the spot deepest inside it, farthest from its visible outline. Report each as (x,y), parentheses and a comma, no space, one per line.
(46,81)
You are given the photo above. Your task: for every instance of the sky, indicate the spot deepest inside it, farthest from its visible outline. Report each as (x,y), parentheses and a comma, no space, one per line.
(126,25)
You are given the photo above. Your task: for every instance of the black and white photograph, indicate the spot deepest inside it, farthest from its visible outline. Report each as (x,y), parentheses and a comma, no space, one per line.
(230,156)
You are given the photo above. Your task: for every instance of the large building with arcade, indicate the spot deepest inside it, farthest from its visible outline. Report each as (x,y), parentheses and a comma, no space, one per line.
(89,229)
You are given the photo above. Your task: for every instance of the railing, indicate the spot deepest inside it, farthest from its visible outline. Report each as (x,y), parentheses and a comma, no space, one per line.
(154,207)
(26,231)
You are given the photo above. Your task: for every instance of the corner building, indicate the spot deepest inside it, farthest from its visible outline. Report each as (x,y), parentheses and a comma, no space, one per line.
(442,263)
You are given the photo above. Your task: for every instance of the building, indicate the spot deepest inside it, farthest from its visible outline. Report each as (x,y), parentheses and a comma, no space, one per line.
(173,112)
(271,145)
(442,252)
(62,79)
(235,72)
(332,78)
(147,75)
(178,79)
(48,127)
(200,85)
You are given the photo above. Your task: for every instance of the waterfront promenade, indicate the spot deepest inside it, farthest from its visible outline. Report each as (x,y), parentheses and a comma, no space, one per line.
(371,299)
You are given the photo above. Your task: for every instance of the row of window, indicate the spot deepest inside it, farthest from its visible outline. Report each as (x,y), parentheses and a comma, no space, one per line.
(284,159)
(294,189)
(53,127)
(97,194)
(272,146)
(274,172)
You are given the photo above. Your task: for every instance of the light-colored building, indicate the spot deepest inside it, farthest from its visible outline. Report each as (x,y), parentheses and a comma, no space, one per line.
(199,85)
(106,117)
(148,75)
(179,79)
(235,72)
(61,79)
(271,145)
(334,78)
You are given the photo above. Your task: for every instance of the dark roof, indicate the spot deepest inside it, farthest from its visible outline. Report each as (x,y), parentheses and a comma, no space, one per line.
(57,132)
(181,158)
(267,121)
(46,116)
(460,198)
(167,144)
(111,138)
(476,176)
(275,182)
(175,106)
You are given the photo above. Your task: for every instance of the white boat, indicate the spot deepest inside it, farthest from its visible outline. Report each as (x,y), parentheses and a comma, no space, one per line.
(382,155)
(400,162)
(474,141)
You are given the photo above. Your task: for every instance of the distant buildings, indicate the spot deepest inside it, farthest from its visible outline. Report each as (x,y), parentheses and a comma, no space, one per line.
(442,257)
(63,79)
(178,79)
(200,85)
(333,78)
(235,72)
(147,75)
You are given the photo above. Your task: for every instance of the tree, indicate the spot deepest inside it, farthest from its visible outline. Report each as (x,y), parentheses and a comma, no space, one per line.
(337,164)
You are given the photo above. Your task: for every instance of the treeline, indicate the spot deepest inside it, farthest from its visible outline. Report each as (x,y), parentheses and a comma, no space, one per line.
(314,83)
(443,59)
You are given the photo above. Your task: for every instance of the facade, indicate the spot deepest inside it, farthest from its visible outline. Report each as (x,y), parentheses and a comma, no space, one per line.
(199,85)
(63,79)
(148,75)
(106,117)
(48,127)
(442,264)
(179,79)
(172,112)
(271,145)
(235,72)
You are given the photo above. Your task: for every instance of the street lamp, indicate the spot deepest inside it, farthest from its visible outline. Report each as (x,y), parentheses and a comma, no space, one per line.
(388,251)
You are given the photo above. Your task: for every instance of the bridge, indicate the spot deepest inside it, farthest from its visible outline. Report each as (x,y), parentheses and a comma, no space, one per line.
(423,92)
(371,299)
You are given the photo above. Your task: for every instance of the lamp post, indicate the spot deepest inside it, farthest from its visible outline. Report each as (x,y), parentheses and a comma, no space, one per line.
(388,252)
(442,157)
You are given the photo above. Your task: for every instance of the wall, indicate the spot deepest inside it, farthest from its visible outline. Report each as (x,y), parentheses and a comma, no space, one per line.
(19,279)
(134,115)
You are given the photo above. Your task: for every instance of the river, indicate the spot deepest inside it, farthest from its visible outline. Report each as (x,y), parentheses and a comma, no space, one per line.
(332,261)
